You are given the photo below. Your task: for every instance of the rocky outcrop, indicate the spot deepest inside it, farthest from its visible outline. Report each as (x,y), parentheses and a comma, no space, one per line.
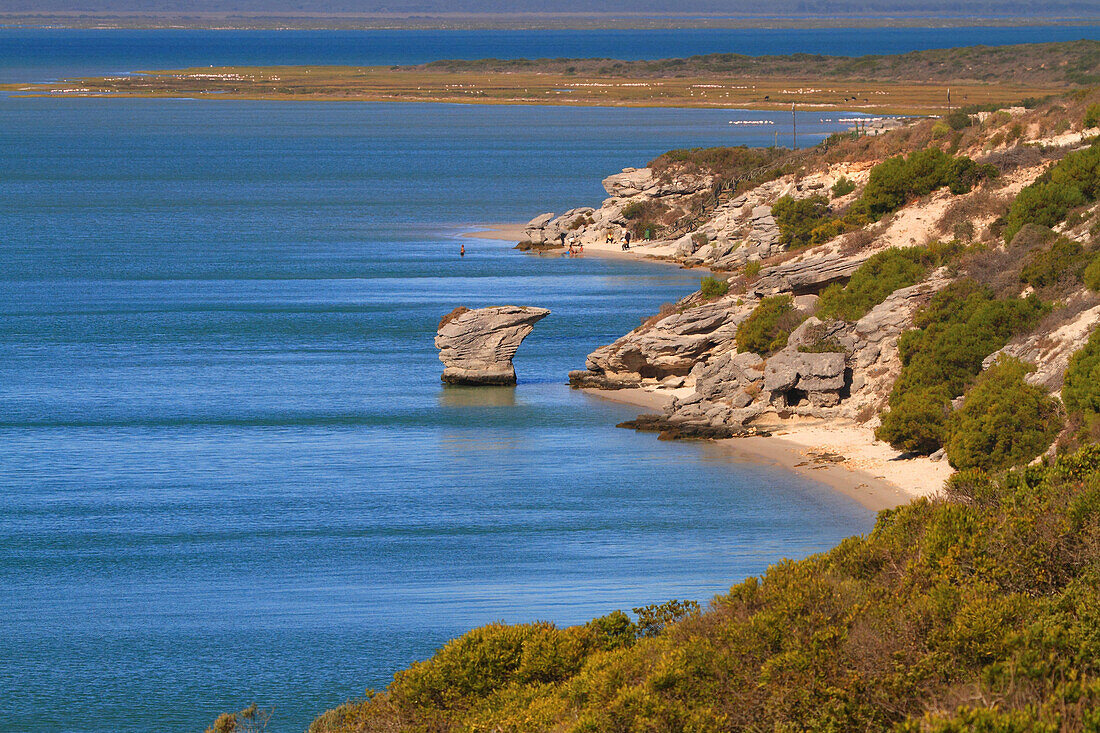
(665,351)
(809,274)
(477,346)
(827,370)
(642,182)
(1049,351)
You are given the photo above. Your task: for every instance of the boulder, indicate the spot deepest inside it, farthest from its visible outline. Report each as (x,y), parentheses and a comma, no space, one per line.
(477,346)
(641,181)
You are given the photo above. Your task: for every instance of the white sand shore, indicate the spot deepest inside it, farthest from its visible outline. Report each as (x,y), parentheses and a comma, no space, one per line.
(638,250)
(846,458)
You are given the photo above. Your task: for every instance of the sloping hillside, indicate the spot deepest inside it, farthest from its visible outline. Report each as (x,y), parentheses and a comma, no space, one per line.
(937,284)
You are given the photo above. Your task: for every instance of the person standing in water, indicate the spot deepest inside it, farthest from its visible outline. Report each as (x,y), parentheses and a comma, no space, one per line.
(462,250)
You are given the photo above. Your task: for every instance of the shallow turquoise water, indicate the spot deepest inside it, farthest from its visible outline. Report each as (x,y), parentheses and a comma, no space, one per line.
(229,471)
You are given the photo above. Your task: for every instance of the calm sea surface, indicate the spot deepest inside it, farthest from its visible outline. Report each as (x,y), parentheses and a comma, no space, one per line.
(228,469)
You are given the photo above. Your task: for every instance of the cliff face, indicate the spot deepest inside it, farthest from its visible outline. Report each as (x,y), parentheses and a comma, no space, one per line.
(477,346)
(690,349)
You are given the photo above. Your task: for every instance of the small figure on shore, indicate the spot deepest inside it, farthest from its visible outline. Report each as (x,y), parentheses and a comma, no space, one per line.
(626,240)
(610,236)
(561,236)
(462,250)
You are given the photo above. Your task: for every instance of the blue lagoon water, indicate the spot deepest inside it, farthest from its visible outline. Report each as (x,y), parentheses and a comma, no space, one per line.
(229,470)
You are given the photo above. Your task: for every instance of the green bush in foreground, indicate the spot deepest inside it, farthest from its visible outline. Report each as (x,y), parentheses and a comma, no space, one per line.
(875,279)
(1081,390)
(954,333)
(713,287)
(1003,422)
(973,612)
(766,329)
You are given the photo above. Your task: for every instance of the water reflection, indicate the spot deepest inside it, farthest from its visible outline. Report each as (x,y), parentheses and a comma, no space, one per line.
(457,396)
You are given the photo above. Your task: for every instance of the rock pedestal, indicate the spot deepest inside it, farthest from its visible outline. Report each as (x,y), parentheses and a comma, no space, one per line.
(477,346)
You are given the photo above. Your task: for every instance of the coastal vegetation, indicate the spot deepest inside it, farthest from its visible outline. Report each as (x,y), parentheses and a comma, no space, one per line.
(713,287)
(882,274)
(1003,421)
(1081,391)
(1069,63)
(941,356)
(974,611)
(808,221)
(900,179)
(1072,182)
(916,83)
(766,329)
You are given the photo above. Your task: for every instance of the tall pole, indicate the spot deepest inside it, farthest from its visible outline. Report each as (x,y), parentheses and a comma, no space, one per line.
(794,129)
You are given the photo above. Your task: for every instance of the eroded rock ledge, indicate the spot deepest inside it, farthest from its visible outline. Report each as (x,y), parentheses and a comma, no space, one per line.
(477,346)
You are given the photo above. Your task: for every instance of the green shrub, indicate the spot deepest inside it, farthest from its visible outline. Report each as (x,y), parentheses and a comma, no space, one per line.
(1091,274)
(1092,116)
(766,329)
(1063,260)
(896,180)
(843,187)
(724,163)
(875,279)
(1044,203)
(940,130)
(954,333)
(633,210)
(1072,182)
(1081,390)
(797,218)
(829,228)
(986,597)
(713,287)
(963,231)
(958,120)
(653,619)
(752,269)
(1003,422)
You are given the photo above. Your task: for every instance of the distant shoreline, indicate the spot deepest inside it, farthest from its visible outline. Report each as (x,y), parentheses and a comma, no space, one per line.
(488,21)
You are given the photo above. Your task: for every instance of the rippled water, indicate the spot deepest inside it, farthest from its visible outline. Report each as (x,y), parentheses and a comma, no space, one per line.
(229,470)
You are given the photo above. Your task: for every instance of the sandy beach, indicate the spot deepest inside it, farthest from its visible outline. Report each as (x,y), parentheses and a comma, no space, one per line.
(658,251)
(847,458)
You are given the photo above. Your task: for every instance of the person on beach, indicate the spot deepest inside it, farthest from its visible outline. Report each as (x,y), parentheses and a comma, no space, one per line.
(561,236)
(626,240)
(610,236)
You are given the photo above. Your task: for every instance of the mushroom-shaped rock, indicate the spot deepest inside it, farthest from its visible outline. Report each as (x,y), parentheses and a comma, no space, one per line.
(477,346)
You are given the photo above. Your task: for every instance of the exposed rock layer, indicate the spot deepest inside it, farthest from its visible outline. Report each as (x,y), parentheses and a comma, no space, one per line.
(477,346)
